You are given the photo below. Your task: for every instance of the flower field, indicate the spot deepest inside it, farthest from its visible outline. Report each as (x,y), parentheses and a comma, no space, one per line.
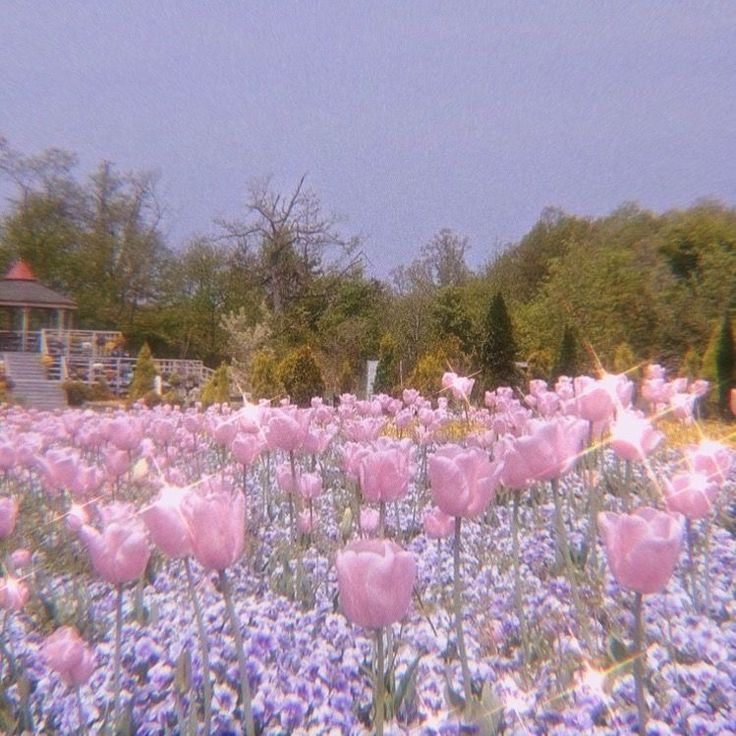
(541,564)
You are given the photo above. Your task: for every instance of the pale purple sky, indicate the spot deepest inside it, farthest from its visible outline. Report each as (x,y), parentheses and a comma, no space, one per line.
(407,116)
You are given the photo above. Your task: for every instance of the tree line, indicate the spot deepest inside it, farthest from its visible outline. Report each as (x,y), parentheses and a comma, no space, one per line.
(281,288)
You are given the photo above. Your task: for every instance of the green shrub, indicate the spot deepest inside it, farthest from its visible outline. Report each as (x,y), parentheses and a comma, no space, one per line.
(217,389)
(427,374)
(77,392)
(387,373)
(100,391)
(263,381)
(301,375)
(143,376)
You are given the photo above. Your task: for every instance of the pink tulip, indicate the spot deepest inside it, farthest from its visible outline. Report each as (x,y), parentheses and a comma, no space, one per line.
(384,474)
(537,387)
(216,522)
(125,433)
(76,517)
(352,454)
(691,494)
(700,388)
(375,579)
(310,485)
(66,653)
(463,481)
(305,522)
(620,389)
(166,523)
(711,458)
(245,448)
(193,423)
(14,593)
(633,437)
(550,450)
(20,558)
(87,480)
(369,520)
(286,430)
(317,440)
(59,469)
(7,456)
(594,400)
(655,371)
(117,462)
(437,524)
(285,478)
(655,391)
(223,430)
(410,396)
(364,430)
(162,430)
(642,547)
(683,406)
(120,552)
(460,386)
(8,516)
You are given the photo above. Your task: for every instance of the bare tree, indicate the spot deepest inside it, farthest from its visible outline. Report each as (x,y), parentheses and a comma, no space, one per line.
(287,240)
(441,263)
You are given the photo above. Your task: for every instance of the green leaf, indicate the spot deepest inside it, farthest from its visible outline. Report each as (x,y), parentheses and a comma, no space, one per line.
(407,685)
(617,650)
(489,713)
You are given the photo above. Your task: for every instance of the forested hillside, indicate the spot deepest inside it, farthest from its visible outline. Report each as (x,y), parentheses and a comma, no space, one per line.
(628,287)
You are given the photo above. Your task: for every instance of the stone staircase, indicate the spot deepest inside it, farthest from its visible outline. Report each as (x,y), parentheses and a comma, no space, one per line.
(30,385)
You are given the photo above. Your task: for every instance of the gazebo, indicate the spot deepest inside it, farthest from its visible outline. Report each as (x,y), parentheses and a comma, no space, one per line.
(27,307)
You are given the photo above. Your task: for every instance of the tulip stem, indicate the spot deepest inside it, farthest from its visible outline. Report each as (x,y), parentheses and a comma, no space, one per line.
(625,496)
(592,535)
(245,695)
(691,563)
(80,711)
(563,549)
(292,463)
(116,665)
(381,518)
(379,690)
(204,649)
(459,614)
(639,660)
(517,581)
(706,571)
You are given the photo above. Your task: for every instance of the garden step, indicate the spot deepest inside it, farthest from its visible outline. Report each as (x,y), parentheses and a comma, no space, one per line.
(30,385)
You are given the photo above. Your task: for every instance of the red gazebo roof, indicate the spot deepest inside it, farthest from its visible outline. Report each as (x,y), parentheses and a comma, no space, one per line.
(20,271)
(20,288)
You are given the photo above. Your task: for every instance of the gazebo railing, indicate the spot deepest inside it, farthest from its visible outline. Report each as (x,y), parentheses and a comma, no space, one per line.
(11,341)
(94,355)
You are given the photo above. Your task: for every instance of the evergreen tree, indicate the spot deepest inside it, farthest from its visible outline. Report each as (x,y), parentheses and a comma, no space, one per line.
(143,376)
(301,376)
(498,350)
(217,389)
(725,363)
(567,358)
(263,381)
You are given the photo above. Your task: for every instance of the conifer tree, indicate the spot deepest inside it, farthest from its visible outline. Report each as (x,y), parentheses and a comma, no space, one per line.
(301,375)
(725,363)
(143,376)
(567,358)
(217,389)
(498,350)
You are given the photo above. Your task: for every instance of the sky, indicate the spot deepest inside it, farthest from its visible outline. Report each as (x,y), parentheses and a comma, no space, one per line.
(406,117)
